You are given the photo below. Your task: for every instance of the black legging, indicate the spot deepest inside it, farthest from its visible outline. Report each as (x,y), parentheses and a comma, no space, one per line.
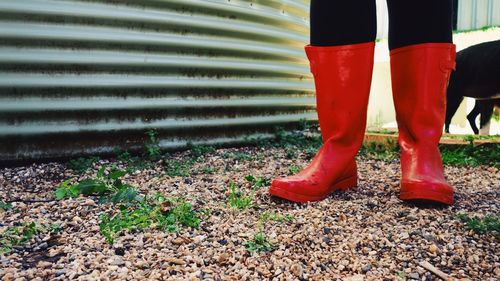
(343,22)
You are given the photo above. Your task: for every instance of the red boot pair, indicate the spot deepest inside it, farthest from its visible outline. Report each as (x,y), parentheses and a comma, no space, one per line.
(342,76)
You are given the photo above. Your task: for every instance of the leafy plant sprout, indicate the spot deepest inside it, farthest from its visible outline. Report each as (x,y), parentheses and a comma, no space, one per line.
(259,243)
(107,185)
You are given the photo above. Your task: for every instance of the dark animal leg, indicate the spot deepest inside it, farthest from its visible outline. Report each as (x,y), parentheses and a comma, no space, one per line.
(486,113)
(452,104)
(472,117)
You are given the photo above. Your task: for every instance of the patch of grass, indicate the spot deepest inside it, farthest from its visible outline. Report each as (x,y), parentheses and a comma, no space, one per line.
(237,199)
(401,275)
(152,145)
(271,216)
(259,243)
(293,142)
(15,236)
(238,156)
(121,155)
(378,151)
(456,155)
(471,138)
(184,167)
(198,151)
(5,206)
(489,224)
(107,184)
(382,131)
(82,164)
(208,170)
(159,212)
(304,124)
(298,142)
(138,164)
(55,228)
(294,169)
(178,168)
(471,156)
(257,182)
(134,163)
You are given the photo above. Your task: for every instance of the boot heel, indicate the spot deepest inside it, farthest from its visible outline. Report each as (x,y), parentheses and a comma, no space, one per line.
(346,184)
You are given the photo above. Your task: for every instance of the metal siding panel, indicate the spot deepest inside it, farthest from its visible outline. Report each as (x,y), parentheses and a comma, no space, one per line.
(495,13)
(464,15)
(82,77)
(482,11)
(475,14)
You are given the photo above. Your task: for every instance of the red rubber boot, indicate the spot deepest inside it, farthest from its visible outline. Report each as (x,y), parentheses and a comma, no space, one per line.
(420,75)
(342,76)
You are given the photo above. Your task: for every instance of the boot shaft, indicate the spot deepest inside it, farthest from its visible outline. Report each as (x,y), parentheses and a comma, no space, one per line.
(342,76)
(419,76)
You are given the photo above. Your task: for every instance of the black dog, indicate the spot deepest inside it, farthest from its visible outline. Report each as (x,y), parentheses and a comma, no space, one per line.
(477,76)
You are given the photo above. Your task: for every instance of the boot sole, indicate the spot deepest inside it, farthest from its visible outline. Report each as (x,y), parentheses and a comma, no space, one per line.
(343,185)
(425,192)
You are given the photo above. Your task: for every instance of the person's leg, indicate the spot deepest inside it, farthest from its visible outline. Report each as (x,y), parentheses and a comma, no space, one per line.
(417,22)
(422,57)
(341,58)
(339,22)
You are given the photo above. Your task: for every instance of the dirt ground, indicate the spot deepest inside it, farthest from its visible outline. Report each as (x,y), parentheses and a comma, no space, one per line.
(364,234)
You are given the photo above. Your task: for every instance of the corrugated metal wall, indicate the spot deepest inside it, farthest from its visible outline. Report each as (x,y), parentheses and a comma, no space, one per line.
(82,77)
(475,14)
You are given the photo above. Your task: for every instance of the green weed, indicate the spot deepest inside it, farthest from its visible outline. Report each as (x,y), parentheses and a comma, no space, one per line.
(5,206)
(237,199)
(198,151)
(271,216)
(381,131)
(208,170)
(456,155)
(471,156)
(81,165)
(15,236)
(489,224)
(123,156)
(257,182)
(304,124)
(294,143)
(138,164)
(471,138)
(378,151)
(106,185)
(238,156)
(55,228)
(159,212)
(152,145)
(294,169)
(178,168)
(134,163)
(184,167)
(259,243)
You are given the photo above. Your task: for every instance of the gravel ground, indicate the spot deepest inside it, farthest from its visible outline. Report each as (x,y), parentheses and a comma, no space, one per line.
(364,234)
